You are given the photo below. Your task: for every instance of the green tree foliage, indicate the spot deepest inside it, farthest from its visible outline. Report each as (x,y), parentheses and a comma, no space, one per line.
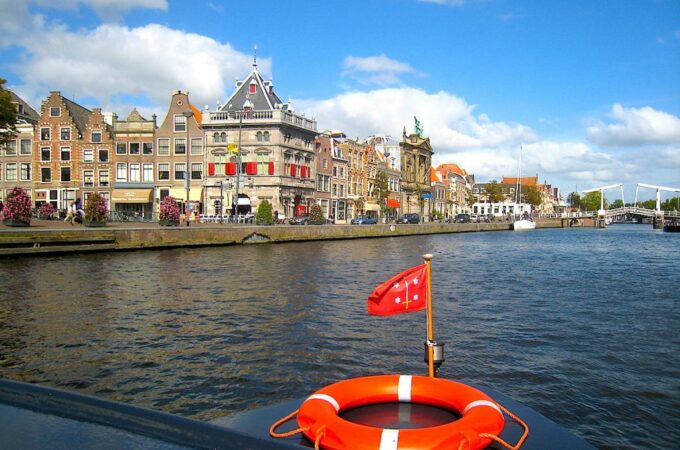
(316,216)
(591,201)
(671,204)
(532,196)
(495,192)
(264,215)
(618,203)
(648,204)
(574,200)
(8,114)
(381,190)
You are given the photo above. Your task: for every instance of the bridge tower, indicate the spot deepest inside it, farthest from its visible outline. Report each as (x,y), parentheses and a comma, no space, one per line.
(602,213)
(658,219)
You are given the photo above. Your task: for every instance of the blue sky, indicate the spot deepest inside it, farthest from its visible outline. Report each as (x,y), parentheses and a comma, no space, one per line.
(590,89)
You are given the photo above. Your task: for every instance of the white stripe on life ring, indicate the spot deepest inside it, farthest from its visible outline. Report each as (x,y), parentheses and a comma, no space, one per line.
(404,389)
(481,403)
(326,398)
(389,439)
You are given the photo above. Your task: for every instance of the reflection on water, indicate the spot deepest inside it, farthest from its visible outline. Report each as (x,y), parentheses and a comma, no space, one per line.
(579,324)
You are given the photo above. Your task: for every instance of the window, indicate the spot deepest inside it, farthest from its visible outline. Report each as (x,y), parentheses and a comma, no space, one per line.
(121,148)
(88,178)
(44,153)
(179,171)
(259,136)
(223,136)
(266,136)
(180,123)
(25,147)
(121,172)
(147,172)
(180,146)
(252,88)
(135,175)
(45,174)
(220,161)
(342,172)
(196,146)
(262,164)
(196,171)
(322,183)
(163,171)
(65,134)
(335,190)
(66,153)
(25,171)
(103,155)
(10,172)
(55,111)
(96,136)
(134,148)
(164,147)
(104,178)
(11,148)
(45,134)
(147,148)
(65,174)
(88,155)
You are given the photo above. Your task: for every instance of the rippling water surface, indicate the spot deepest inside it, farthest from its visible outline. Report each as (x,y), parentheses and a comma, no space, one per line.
(582,325)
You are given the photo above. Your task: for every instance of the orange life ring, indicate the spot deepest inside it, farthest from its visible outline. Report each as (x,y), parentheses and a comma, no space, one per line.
(318,415)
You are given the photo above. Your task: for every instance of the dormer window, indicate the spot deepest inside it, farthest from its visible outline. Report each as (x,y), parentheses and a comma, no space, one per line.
(252,88)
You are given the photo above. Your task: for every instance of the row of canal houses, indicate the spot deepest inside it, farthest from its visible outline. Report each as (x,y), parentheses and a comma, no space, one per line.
(67,151)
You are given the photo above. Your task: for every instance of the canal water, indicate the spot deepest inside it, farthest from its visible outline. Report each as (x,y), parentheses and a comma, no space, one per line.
(580,324)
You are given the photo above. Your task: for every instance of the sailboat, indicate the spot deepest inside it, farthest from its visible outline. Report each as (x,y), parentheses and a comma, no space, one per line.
(521,224)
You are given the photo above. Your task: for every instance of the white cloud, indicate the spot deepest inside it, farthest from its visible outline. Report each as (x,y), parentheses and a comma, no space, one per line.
(379,70)
(113,61)
(107,10)
(633,126)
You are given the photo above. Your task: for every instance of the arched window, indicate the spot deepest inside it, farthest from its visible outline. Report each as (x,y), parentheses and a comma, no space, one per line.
(223,135)
(216,137)
(259,136)
(266,136)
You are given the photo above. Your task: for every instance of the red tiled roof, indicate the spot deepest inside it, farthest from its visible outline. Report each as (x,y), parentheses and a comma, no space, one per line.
(526,181)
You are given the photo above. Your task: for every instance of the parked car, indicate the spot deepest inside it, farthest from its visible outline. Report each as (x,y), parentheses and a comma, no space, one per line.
(364,220)
(409,218)
(299,220)
(463,218)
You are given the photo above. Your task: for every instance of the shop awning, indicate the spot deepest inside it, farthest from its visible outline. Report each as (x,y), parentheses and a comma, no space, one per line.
(131,196)
(392,203)
(371,207)
(180,194)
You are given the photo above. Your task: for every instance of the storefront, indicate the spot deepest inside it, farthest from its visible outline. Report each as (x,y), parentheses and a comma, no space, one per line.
(133,201)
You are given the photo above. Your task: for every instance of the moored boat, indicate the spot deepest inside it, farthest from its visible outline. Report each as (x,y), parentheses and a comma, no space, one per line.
(524,224)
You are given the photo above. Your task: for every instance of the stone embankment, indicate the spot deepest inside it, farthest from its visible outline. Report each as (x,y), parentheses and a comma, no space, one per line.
(49,238)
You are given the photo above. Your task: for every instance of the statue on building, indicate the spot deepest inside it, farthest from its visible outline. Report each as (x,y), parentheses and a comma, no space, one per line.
(418,127)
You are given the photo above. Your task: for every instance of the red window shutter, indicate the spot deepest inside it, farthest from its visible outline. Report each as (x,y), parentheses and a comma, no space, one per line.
(271,168)
(211,169)
(293,170)
(251,168)
(308,172)
(302,171)
(230,168)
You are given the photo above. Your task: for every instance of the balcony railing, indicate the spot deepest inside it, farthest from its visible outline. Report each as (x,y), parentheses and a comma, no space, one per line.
(259,116)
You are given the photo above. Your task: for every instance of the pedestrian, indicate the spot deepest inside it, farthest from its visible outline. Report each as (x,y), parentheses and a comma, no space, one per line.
(71,213)
(79,208)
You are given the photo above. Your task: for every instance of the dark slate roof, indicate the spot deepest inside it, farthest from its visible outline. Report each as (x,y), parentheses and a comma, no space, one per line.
(80,114)
(261,100)
(28,114)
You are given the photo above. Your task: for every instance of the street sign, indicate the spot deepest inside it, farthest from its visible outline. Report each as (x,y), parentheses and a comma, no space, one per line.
(426,195)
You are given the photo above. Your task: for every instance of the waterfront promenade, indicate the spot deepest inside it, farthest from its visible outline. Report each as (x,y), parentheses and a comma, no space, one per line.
(50,237)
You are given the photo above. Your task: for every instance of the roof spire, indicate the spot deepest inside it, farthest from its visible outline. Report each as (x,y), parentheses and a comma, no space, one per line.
(255,57)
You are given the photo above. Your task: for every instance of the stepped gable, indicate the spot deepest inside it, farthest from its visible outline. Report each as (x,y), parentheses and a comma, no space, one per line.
(25,114)
(264,98)
(135,116)
(79,114)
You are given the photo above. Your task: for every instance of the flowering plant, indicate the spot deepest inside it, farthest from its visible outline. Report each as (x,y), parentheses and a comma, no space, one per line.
(169,210)
(96,209)
(17,206)
(46,211)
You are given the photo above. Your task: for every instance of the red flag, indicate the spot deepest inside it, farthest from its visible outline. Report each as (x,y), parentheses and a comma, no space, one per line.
(402,293)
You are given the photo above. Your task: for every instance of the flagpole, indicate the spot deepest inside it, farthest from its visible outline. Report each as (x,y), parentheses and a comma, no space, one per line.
(430,325)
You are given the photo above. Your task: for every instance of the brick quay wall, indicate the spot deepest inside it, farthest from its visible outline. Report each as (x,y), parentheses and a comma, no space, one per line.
(51,237)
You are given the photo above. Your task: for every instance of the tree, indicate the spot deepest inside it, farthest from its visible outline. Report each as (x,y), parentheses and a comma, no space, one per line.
(8,115)
(533,197)
(591,201)
(264,215)
(495,192)
(381,190)
(618,203)
(574,200)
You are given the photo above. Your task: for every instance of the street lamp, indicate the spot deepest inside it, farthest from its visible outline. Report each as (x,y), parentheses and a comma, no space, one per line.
(247,105)
(187,113)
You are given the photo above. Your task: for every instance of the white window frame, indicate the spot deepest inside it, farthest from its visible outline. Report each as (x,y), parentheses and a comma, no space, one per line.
(61,130)
(183,171)
(21,147)
(13,171)
(85,177)
(106,177)
(196,146)
(181,120)
(88,155)
(177,142)
(121,171)
(147,172)
(135,173)
(160,151)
